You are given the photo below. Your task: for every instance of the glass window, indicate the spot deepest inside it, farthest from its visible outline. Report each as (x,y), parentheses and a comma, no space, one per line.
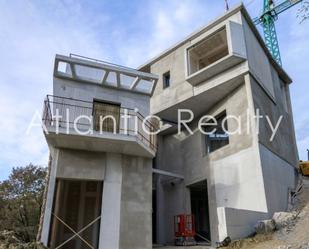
(166,79)
(218,136)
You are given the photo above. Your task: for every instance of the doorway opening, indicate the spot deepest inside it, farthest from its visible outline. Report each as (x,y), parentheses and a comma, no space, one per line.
(106,116)
(200,210)
(76,214)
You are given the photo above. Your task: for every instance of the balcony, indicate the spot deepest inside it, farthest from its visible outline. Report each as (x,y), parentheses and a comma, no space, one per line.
(97,126)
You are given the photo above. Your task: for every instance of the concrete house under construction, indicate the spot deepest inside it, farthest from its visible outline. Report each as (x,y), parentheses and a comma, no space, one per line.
(121,187)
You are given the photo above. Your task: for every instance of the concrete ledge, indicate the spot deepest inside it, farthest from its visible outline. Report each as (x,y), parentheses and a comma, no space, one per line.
(106,142)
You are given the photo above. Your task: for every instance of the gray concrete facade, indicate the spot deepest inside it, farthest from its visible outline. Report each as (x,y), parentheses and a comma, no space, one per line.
(122,162)
(251,177)
(247,179)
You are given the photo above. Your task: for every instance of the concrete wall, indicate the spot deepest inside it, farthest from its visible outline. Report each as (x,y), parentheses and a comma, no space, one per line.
(111,203)
(258,61)
(54,153)
(233,172)
(175,62)
(243,177)
(74,164)
(179,89)
(283,143)
(126,198)
(172,196)
(280,178)
(136,203)
(271,96)
(89,91)
(238,223)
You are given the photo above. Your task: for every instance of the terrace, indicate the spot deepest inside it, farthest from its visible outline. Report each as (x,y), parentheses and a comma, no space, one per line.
(97,126)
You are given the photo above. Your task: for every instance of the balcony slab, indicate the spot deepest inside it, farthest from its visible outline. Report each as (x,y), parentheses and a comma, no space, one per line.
(105,142)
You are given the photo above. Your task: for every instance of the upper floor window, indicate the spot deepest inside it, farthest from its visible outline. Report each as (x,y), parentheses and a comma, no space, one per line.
(166,79)
(218,136)
(207,51)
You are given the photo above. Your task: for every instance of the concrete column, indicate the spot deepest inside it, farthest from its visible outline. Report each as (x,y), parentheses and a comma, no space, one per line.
(222,229)
(111,203)
(161,234)
(49,198)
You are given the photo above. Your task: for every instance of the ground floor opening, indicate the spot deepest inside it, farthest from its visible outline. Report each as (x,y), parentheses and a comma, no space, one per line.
(172,198)
(200,210)
(76,214)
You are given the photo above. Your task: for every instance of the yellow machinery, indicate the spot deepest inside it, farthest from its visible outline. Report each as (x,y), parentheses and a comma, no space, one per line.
(304,167)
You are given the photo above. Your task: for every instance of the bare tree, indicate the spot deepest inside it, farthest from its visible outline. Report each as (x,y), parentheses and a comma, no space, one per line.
(303,11)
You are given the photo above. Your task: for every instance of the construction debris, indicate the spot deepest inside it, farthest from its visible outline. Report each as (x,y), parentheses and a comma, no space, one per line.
(284,219)
(225,242)
(291,228)
(265,226)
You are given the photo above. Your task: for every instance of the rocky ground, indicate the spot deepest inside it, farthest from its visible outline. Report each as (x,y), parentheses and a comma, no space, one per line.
(293,233)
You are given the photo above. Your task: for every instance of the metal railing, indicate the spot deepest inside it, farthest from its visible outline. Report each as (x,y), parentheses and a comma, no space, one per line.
(70,113)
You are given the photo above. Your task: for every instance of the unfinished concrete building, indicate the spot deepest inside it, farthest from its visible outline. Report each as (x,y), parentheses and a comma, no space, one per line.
(122,189)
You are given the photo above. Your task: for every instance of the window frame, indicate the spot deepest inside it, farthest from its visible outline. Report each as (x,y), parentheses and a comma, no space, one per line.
(211,35)
(165,85)
(206,139)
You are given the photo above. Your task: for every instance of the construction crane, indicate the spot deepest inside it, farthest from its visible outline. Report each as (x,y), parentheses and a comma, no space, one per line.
(267,19)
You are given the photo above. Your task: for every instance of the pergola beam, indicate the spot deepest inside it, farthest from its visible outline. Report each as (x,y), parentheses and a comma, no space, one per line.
(105,77)
(118,78)
(135,82)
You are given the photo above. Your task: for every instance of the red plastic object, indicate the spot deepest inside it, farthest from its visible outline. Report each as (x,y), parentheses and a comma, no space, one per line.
(184,225)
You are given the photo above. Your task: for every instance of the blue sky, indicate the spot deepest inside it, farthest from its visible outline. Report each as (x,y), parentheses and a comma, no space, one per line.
(124,32)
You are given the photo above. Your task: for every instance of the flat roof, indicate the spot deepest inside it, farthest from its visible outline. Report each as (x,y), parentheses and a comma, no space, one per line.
(210,25)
